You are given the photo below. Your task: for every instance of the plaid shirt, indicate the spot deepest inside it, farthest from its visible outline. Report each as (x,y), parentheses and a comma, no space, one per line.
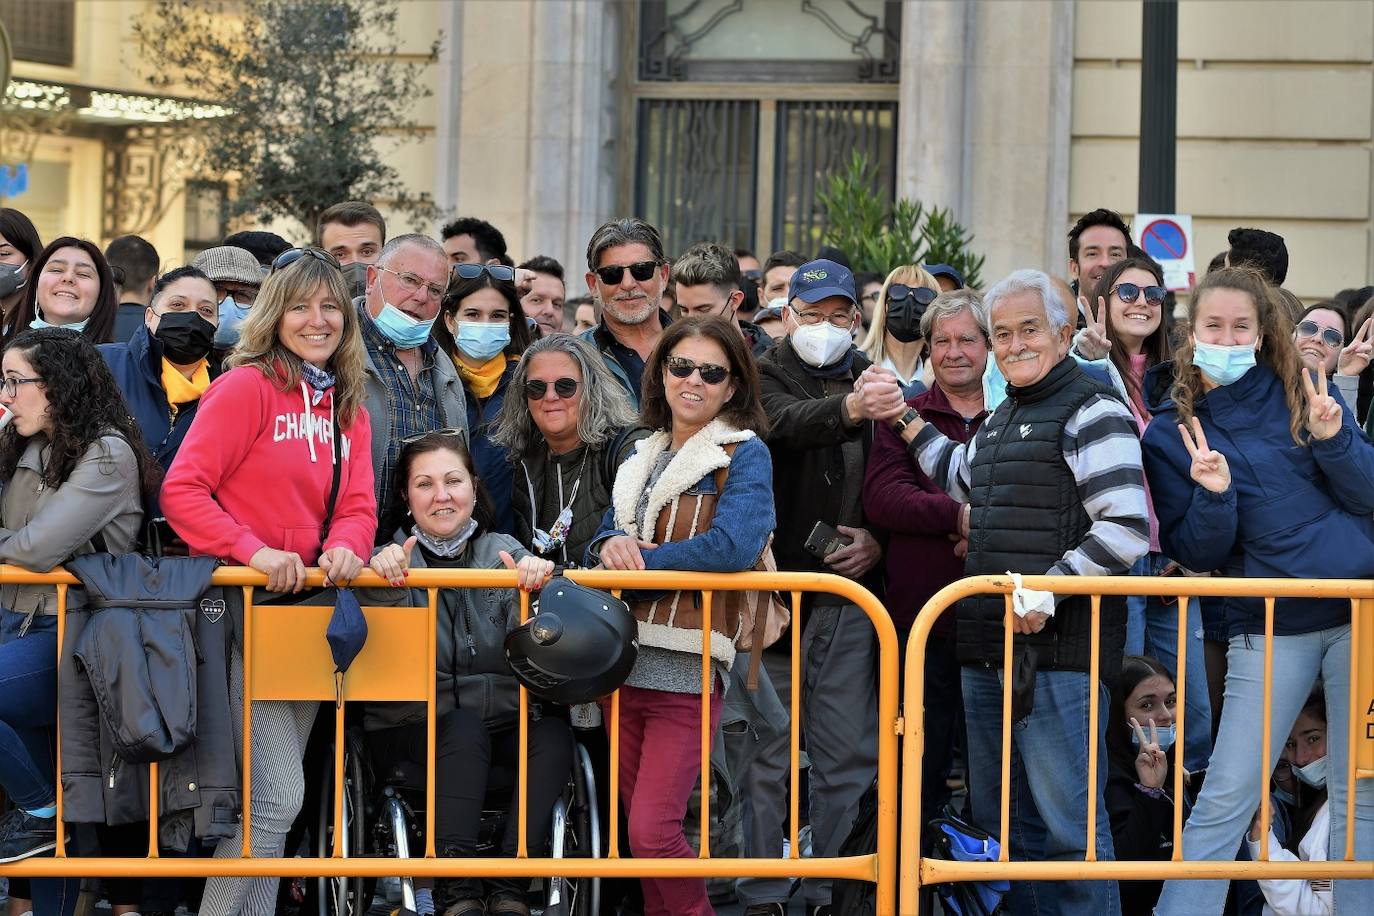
(408,411)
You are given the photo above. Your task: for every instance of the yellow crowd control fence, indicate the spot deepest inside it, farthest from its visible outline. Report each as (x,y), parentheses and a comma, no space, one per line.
(286,657)
(918,870)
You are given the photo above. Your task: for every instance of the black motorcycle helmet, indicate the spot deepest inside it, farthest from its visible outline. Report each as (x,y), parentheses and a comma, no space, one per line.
(578,646)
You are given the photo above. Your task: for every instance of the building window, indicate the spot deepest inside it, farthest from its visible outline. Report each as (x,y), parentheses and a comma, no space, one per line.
(205,222)
(42,32)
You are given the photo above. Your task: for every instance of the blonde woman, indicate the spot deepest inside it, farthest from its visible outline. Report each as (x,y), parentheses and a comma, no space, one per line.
(276,473)
(894,338)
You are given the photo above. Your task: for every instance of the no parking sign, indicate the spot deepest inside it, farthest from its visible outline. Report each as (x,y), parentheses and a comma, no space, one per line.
(1168,238)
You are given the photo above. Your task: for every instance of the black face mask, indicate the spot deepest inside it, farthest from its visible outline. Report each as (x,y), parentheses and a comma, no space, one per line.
(905,306)
(186,337)
(12,278)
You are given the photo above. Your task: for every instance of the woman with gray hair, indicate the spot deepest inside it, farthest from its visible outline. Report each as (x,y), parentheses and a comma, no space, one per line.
(566,437)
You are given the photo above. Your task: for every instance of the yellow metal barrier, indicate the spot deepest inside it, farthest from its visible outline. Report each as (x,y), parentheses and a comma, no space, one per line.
(917,870)
(286,658)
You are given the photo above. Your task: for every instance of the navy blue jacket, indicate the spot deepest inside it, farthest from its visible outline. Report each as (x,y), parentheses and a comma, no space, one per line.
(137,369)
(1292,511)
(493,461)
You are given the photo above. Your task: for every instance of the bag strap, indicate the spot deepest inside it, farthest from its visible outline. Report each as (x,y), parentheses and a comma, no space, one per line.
(754,598)
(333,486)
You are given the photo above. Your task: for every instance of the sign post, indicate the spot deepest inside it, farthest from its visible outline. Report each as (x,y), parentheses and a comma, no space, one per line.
(1168,238)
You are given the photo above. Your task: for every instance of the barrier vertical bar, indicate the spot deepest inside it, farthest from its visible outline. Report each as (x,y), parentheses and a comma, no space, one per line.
(794,726)
(1180,704)
(1094,666)
(247,800)
(522,769)
(152,808)
(432,700)
(1266,767)
(340,825)
(706,686)
(613,731)
(1352,740)
(61,850)
(1003,854)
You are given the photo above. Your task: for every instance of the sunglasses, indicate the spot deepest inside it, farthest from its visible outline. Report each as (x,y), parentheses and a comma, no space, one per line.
(292,255)
(710,373)
(922,294)
(611,274)
(1130,292)
(451,432)
(536,388)
(1330,336)
(470,271)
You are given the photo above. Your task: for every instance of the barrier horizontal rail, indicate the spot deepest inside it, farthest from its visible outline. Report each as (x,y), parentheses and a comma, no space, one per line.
(917,870)
(879,867)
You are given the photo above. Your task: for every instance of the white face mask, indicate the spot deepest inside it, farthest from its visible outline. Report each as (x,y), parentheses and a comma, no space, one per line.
(820,345)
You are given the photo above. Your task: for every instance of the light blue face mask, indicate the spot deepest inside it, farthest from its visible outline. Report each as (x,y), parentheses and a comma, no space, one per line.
(77,326)
(1167,736)
(231,318)
(482,340)
(1223,365)
(1314,774)
(1288,798)
(401,329)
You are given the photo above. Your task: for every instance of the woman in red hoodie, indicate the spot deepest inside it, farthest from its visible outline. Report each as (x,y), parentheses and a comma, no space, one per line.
(276,473)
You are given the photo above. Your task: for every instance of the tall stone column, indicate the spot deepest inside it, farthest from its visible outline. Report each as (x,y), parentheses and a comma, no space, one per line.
(932,103)
(448,96)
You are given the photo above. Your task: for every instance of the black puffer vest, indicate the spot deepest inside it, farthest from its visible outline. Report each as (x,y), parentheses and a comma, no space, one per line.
(1026,514)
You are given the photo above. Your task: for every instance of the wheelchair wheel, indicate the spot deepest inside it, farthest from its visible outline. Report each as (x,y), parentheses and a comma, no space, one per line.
(576,833)
(342,896)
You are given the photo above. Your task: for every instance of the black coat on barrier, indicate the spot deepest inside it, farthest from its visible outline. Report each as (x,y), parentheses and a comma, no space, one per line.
(144,676)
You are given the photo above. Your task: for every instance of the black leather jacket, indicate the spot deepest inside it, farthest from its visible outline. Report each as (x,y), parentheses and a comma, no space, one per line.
(144,676)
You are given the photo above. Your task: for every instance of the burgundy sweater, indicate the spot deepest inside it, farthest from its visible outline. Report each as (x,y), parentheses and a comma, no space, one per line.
(916,514)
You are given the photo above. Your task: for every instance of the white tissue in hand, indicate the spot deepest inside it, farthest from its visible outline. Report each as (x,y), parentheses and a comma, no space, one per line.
(1026,600)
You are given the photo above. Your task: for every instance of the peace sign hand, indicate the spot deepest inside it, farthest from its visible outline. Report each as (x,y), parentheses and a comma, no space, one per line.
(1355,358)
(1209,469)
(1092,342)
(1151,764)
(1323,411)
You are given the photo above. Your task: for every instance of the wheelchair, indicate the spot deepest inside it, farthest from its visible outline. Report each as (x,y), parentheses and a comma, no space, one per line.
(383,815)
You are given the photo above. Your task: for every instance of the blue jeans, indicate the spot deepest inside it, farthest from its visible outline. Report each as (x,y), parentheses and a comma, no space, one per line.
(28,709)
(1231,793)
(1152,629)
(1049,800)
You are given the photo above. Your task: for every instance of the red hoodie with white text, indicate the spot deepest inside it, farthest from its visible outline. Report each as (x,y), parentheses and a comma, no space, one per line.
(255,469)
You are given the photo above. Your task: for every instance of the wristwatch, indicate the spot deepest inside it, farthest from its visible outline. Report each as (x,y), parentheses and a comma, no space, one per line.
(905,420)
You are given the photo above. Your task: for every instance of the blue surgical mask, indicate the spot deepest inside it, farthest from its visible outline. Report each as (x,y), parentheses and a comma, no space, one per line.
(482,340)
(77,326)
(1167,736)
(231,318)
(401,329)
(1314,774)
(1283,795)
(1223,365)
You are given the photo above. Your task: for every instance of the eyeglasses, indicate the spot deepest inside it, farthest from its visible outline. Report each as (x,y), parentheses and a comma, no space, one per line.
(471,271)
(1330,336)
(710,373)
(243,295)
(451,432)
(922,295)
(292,255)
(1130,292)
(839,319)
(612,274)
(536,388)
(12,383)
(870,297)
(412,284)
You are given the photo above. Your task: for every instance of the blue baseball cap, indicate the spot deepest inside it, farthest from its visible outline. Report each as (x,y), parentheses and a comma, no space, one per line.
(821,279)
(944,270)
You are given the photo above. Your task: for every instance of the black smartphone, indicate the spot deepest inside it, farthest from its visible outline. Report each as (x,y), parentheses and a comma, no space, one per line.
(825,540)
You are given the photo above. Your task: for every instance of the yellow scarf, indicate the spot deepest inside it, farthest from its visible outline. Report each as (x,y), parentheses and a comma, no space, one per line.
(181,390)
(484,379)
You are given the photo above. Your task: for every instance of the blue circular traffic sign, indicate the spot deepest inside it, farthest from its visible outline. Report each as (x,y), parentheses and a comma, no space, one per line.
(1163,240)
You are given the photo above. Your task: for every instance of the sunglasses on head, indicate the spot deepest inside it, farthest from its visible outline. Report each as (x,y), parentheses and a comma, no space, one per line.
(292,255)
(612,274)
(451,432)
(711,374)
(536,388)
(921,294)
(471,271)
(1129,292)
(1330,336)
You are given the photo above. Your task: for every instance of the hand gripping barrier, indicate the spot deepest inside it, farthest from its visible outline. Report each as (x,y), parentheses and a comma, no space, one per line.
(917,871)
(285,657)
